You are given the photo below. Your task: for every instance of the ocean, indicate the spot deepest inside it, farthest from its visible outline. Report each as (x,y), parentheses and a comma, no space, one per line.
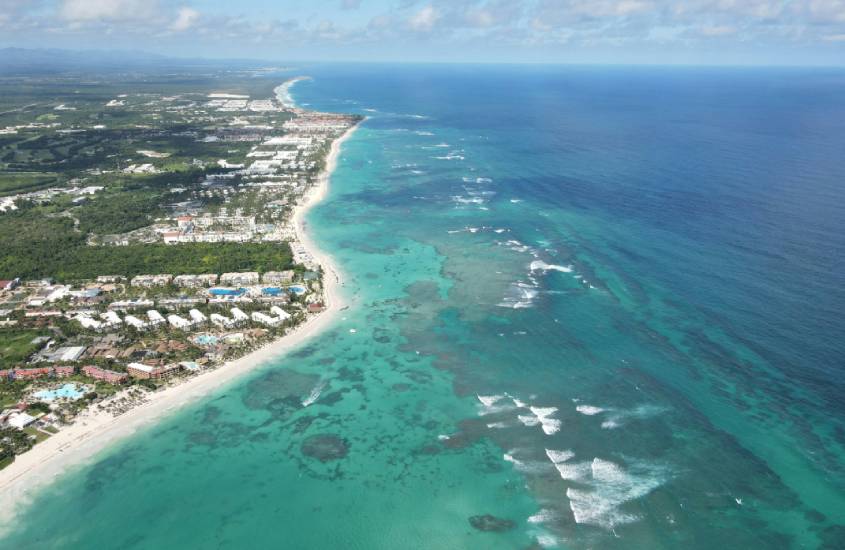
(589,307)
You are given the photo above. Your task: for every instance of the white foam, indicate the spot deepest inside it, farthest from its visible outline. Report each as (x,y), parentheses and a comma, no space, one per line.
(617,418)
(589,410)
(518,403)
(315,394)
(491,404)
(489,400)
(542,416)
(497,425)
(576,471)
(559,456)
(539,265)
(520,295)
(547,541)
(611,486)
(424,133)
(542,516)
(510,458)
(443,437)
(528,420)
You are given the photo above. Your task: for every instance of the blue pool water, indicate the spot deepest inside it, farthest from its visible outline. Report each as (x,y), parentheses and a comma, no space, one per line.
(272,291)
(297,290)
(68,391)
(227,291)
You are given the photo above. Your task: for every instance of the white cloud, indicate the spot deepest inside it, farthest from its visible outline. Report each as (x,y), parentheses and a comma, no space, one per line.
(425,19)
(185,19)
(825,11)
(115,10)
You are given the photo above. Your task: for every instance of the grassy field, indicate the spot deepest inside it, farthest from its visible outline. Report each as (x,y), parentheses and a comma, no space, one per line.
(16,346)
(12,183)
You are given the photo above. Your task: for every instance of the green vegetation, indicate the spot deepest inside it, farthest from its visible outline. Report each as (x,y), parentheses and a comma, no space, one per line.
(38,435)
(13,442)
(12,183)
(34,246)
(16,346)
(11,393)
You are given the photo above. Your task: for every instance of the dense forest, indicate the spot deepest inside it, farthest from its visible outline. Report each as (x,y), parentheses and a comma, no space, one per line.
(34,246)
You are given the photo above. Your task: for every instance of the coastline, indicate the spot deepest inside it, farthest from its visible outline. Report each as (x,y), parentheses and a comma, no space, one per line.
(93,431)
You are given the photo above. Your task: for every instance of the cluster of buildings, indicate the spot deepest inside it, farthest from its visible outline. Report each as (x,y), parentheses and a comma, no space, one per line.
(44,196)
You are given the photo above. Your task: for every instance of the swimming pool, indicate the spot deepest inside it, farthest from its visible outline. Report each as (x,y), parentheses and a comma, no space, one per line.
(297,290)
(206,340)
(68,391)
(226,291)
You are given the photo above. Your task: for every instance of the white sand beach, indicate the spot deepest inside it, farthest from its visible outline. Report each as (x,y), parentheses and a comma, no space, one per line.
(94,430)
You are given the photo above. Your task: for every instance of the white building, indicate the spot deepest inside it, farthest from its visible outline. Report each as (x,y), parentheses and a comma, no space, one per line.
(242,279)
(265,319)
(278,277)
(197,317)
(280,313)
(134,322)
(20,420)
(111,318)
(221,321)
(89,323)
(238,315)
(178,322)
(155,318)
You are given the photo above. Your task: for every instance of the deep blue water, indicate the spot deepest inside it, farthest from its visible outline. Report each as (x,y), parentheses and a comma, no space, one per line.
(605,304)
(706,207)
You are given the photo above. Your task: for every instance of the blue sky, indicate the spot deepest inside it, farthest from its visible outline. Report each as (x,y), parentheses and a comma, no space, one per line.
(791,32)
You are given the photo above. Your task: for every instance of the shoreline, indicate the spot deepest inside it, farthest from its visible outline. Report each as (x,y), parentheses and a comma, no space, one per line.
(93,431)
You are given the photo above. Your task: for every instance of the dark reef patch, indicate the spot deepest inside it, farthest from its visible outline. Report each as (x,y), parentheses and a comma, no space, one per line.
(491,523)
(325,447)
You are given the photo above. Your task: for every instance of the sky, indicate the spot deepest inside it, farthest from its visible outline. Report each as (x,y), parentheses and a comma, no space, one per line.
(707,32)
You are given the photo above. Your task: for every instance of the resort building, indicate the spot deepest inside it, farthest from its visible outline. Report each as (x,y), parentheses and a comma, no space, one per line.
(265,319)
(155,318)
(178,322)
(88,322)
(239,279)
(239,316)
(197,317)
(148,281)
(109,376)
(278,277)
(65,354)
(148,372)
(195,281)
(280,313)
(135,323)
(111,319)
(221,321)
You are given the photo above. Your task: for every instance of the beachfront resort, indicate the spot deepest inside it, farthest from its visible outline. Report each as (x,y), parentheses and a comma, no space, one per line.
(181,248)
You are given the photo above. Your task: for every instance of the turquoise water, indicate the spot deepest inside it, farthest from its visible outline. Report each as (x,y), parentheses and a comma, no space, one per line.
(68,391)
(603,304)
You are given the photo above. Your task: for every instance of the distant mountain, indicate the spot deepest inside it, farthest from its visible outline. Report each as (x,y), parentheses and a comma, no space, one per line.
(32,61)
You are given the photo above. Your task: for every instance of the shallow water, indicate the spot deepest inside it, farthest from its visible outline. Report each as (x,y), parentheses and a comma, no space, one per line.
(603,304)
